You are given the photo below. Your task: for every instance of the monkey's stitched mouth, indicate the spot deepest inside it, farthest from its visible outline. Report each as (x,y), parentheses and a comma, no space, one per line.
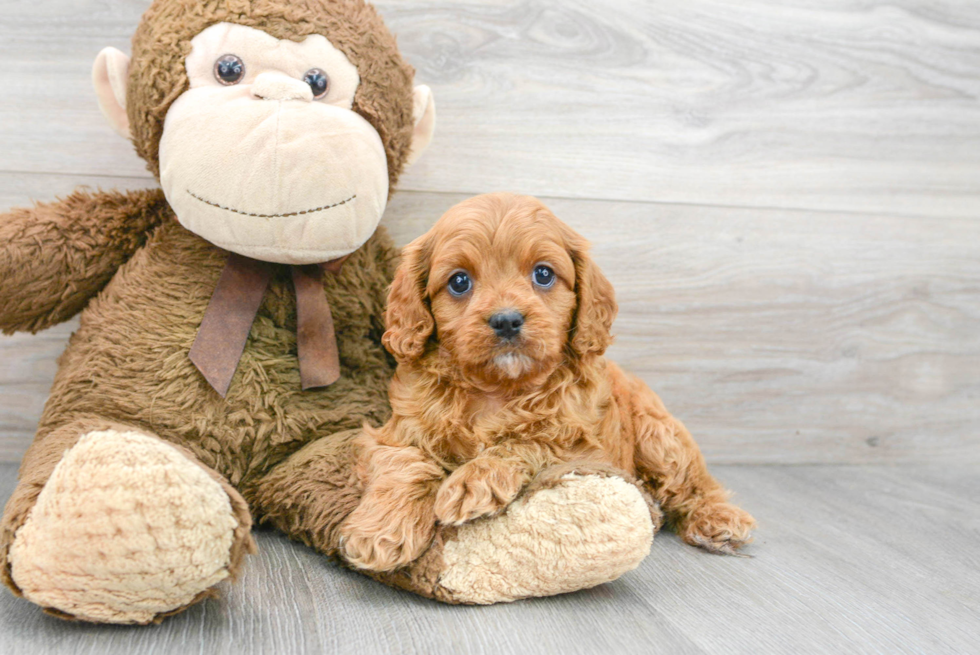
(243,213)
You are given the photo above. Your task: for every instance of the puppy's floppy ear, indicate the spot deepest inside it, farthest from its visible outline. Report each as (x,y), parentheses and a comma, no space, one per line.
(408,319)
(597,306)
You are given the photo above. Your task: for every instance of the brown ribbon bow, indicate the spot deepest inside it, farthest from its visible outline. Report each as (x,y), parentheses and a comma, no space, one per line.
(236,300)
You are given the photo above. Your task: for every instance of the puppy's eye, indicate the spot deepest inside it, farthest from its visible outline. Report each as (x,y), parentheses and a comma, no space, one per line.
(543,276)
(229,70)
(318,81)
(460,283)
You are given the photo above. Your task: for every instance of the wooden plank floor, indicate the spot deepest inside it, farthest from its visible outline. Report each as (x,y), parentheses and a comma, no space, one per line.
(859,559)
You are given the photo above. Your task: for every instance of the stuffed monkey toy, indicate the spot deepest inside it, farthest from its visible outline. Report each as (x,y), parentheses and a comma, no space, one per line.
(229,348)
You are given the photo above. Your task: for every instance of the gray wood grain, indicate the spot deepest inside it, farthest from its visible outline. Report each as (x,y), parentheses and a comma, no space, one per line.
(777,336)
(848,105)
(856,559)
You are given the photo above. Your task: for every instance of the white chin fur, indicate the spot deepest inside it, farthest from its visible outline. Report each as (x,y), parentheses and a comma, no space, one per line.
(512,364)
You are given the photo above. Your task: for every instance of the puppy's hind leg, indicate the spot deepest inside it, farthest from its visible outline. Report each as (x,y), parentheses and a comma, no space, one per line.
(671,465)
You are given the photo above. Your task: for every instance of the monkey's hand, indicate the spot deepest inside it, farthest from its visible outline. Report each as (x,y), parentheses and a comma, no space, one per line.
(56,256)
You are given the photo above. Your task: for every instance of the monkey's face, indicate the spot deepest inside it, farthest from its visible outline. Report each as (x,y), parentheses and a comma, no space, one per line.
(280,149)
(263,155)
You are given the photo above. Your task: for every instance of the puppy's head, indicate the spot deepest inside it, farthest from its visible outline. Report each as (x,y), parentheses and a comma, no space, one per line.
(504,289)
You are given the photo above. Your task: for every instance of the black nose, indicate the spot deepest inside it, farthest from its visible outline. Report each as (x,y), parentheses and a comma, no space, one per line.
(507,324)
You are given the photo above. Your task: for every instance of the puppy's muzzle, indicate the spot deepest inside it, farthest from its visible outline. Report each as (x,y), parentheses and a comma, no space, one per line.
(506,324)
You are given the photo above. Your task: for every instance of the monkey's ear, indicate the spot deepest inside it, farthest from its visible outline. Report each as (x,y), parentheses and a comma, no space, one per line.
(110,75)
(424,113)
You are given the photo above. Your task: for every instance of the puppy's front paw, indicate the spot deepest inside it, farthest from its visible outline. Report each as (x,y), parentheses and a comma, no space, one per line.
(478,488)
(718,528)
(384,543)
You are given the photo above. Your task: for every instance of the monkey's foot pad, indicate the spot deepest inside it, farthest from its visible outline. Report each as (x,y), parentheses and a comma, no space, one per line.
(586,530)
(126,530)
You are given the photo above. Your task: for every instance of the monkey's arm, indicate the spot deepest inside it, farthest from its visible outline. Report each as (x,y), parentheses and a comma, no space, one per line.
(56,256)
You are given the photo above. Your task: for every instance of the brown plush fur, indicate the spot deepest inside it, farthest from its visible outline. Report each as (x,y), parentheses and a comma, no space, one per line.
(146,282)
(128,364)
(150,313)
(476,418)
(57,256)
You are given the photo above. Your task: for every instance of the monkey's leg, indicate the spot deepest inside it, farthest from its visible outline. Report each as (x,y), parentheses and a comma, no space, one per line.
(111,524)
(573,528)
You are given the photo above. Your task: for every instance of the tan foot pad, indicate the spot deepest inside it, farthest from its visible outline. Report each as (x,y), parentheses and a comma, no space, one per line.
(127,528)
(586,531)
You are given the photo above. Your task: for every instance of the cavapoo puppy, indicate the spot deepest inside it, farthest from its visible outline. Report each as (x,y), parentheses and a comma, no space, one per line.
(499,319)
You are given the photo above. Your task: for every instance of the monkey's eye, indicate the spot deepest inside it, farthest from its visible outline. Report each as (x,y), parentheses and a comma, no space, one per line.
(318,81)
(460,283)
(229,70)
(543,276)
